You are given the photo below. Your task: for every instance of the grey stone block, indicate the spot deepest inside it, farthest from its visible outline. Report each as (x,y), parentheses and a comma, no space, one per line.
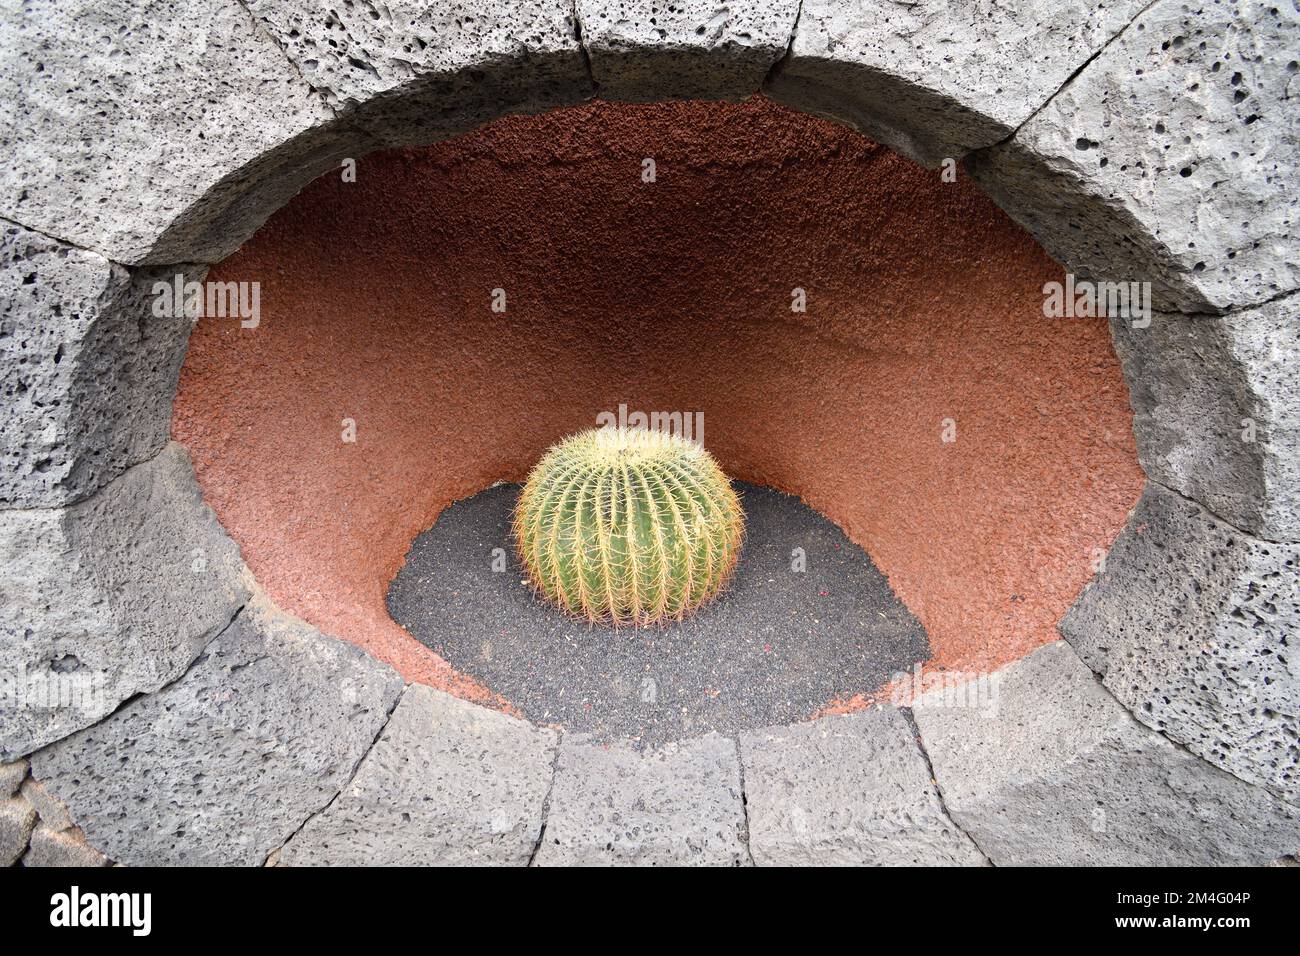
(448,783)
(52,812)
(1190,626)
(1216,410)
(693,49)
(416,72)
(222,766)
(50,847)
(87,371)
(1170,158)
(17,820)
(851,790)
(1061,774)
(152,130)
(675,805)
(107,598)
(934,79)
(11,777)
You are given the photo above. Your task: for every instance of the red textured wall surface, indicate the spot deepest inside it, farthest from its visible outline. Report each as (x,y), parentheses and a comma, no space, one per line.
(923,304)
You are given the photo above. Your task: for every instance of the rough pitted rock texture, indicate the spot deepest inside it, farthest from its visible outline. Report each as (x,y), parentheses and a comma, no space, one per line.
(1191,626)
(420,71)
(935,79)
(1171,158)
(851,790)
(109,597)
(777,645)
(645,50)
(222,766)
(12,776)
(448,783)
(52,812)
(17,820)
(87,371)
(152,130)
(1059,773)
(1216,408)
(67,848)
(677,805)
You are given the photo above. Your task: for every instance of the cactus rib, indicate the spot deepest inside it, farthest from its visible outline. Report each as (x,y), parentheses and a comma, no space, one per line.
(628,526)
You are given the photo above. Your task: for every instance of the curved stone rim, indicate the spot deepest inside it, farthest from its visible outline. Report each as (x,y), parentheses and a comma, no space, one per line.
(313,110)
(960,776)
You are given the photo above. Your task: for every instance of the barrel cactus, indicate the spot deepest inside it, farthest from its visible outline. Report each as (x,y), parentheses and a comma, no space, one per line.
(628,526)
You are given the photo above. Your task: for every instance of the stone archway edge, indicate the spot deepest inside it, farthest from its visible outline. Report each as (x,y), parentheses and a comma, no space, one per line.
(91,373)
(110,597)
(108,157)
(93,183)
(257,755)
(147,157)
(145,631)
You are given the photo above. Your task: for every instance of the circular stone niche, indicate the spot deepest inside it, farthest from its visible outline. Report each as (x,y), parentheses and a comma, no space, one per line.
(930,467)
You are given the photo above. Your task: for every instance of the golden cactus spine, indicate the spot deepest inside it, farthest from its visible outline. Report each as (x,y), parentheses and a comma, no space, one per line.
(628,526)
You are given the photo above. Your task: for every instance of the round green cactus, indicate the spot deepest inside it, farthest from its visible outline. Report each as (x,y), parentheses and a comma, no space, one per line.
(628,525)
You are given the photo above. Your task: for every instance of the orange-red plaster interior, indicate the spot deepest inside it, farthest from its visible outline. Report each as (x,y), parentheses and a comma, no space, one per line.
(924,315)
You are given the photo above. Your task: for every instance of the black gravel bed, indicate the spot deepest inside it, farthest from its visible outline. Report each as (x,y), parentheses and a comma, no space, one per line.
(777,646)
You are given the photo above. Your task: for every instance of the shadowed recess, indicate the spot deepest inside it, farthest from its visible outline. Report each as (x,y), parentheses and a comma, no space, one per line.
(923,322)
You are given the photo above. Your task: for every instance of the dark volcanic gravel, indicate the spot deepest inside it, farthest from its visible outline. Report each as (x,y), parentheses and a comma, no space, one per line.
(777,646)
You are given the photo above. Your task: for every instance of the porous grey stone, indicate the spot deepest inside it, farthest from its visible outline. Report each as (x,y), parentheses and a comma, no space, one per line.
(17,820)
(1170,158)
(416,72)
(222,766)
(643,50)
(675,805)
(87,371)
(11,777)
(51,847)
(850,790)
(1061,774)
(153,131)
(107,598)
(1190,625)
(934,79)
(1216,410)
(447,783)
(52,812)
